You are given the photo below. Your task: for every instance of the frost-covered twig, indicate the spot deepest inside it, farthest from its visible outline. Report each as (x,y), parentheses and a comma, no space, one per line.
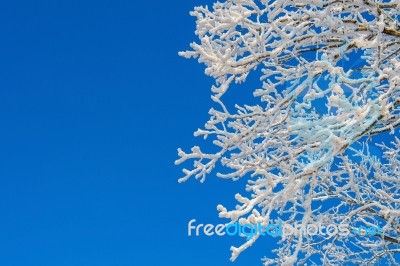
(330,82)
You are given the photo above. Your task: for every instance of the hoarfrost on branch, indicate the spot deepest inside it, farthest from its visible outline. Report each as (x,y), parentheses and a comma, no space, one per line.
(330,73)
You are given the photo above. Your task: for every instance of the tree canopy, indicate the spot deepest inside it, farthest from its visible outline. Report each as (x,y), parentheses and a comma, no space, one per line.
(330,73)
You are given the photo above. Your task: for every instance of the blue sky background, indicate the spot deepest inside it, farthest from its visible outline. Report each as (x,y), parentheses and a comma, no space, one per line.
(94,102)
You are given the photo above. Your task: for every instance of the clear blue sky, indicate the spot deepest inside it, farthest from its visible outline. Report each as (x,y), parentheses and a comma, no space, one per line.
(94,102)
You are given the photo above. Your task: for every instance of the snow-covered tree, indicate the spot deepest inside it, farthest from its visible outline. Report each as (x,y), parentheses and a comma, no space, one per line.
(330,87)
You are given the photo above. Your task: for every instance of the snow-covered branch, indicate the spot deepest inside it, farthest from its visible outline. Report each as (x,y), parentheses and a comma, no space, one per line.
(330,73)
